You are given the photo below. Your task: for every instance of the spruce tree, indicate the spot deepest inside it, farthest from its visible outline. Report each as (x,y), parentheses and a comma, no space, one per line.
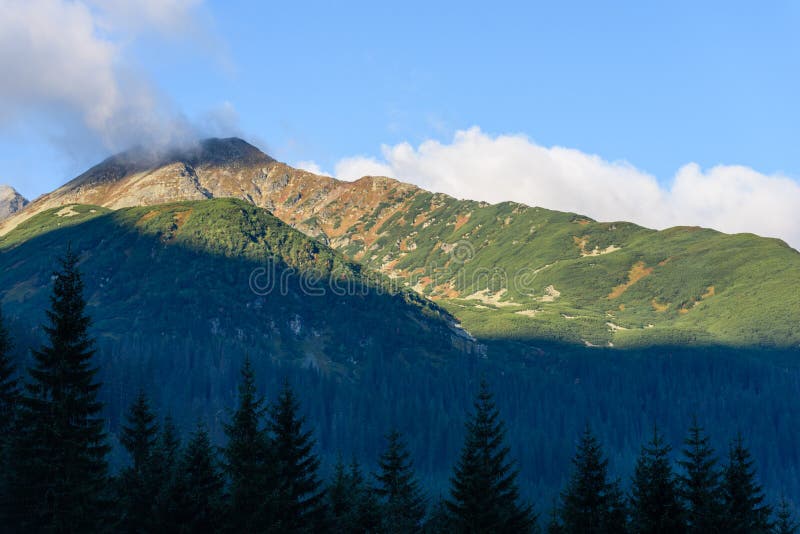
(138,484)
(199,504)
(247,458)
(165,460)
(655,503)
(9,390)
(340,498)
(60,452)
(784,522)
(402,501)
(9,397)
(591,503)
(140,432)
(166,453)
(352,506)
(367,509)
(484,496)
(700,483)
(743,500)
(300,505)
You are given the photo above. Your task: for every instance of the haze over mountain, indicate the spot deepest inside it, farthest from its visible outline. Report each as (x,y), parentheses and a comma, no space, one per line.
(523,272)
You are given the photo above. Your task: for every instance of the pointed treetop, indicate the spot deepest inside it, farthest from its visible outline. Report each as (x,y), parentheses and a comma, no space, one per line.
(743,498)
(484,494)
(139,434)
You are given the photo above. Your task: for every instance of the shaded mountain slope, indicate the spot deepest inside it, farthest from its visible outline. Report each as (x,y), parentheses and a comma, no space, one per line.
(222,272)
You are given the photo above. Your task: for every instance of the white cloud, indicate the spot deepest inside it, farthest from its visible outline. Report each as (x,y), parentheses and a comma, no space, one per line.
(310,166)
(64,63)
(512,167)
(358,166)
(51,55)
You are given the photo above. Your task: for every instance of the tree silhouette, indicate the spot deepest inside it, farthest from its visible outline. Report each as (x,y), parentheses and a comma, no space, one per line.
(591,503)
(655,503)
(700,483)
(300,504)
(743,499)
(401,498)
(247,459)
(60,452)
(484,496)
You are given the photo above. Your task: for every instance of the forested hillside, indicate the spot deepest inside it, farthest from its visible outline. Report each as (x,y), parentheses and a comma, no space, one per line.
(266,477)
(168,288)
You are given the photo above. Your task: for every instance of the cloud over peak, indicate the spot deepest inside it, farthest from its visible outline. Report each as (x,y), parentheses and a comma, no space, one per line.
(65,63)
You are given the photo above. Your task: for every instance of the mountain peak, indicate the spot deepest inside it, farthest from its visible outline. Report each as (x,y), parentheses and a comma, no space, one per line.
(211,151)
(220,150)
(142,176)
(10,201)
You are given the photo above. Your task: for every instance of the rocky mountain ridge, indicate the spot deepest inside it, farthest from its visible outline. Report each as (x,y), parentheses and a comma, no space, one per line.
(506,270)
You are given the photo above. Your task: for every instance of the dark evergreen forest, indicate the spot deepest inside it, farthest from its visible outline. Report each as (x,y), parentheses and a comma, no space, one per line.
(189,442)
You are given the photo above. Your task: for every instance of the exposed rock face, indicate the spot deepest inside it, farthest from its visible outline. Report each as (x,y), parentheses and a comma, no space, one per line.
(10,201)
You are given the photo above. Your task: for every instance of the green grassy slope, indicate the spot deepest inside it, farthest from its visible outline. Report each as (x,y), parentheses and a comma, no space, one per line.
(512,271)
(508,271)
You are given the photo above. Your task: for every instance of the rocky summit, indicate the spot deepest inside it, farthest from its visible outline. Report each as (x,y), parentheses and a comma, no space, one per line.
(10,201)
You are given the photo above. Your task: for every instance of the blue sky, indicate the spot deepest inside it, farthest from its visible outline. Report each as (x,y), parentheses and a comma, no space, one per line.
(656,85)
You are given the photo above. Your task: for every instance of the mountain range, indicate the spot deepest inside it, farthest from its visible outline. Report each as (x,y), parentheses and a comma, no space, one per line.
(384,304)
(506,271)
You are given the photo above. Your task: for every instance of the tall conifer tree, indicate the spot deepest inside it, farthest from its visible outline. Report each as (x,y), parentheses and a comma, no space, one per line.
(699,483)
(165,460)
(655,503)
(401,498)
(367,509)
(591,504)
(9,390)
(247,459)
(9,397)
(340,498)
(138,484)
(743,500)
(352,506)
(484,496)
(139,433)
(300,497)
(60,454)
(199,504)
